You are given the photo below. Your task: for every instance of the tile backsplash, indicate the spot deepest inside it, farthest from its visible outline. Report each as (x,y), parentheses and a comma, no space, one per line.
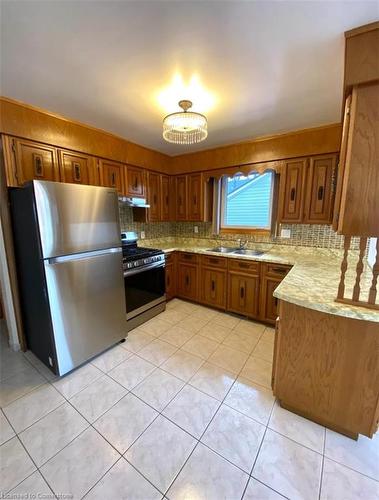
(309,235)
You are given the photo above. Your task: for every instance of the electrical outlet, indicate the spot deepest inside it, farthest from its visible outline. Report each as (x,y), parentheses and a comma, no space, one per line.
(285,233)
(196,229)
(143,236)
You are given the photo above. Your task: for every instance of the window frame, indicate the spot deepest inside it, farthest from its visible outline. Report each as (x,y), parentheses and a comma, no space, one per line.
(247,229)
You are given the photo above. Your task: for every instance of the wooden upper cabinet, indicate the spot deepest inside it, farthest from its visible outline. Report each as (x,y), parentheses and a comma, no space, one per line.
(181,197)
(165,197)
(356,211)
(34,161)
(78,168)
(292,191)
(195,197)
(112,175)
(361,55)
(135,182)
(319,194)
(154,196)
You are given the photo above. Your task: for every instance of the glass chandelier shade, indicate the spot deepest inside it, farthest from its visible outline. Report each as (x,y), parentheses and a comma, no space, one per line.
(185,127)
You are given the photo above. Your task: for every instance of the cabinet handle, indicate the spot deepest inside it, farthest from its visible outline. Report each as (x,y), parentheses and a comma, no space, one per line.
(194,200)
(76,171)
(213,261)
(320,193)
(135,183)
(279,270)
(113,179)
(168,280)
(292,194)
(188,257)
(155,199)
(187,279)
(213,285)
(166,200)
(242,292)
(276,302)
(243,265)
(38,165)
(180,200)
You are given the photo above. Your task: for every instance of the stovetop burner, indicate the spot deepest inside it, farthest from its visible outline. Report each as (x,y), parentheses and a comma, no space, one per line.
(131,252)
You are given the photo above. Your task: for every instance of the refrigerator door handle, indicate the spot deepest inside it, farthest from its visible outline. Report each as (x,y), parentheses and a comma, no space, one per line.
(83,255)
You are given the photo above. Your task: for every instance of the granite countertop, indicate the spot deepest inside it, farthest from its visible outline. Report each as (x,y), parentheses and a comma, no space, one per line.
(313,280)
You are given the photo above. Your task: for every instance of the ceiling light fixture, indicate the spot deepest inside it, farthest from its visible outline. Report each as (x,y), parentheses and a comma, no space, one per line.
(185,127)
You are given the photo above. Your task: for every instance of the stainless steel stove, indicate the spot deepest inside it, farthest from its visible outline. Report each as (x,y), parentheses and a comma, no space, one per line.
(144,276)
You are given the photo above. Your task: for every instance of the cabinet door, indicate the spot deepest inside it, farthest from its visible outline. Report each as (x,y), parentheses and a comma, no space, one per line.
(243,294)
(112,175)
(213,287)
(269,303)
(154,196)
(195,197)
(292,185)
(165,198)
(77,168)
(187,281)
(136,182)
(358,215)
(319,197)
(170,281)
(35,161)
(181,197)
(341,166)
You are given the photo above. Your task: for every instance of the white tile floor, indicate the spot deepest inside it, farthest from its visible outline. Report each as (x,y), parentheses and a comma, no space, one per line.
(182,410)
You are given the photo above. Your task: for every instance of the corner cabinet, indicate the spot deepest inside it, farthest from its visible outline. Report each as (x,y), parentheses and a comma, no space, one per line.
(271,277)
(78,168)
(188,275)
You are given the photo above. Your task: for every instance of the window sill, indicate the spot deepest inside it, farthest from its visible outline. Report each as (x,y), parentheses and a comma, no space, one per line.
(258,232)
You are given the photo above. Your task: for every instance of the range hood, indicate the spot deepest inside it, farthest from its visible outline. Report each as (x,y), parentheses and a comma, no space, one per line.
(134,202)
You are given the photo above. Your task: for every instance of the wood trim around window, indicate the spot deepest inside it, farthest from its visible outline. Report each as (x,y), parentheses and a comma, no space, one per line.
(234,230)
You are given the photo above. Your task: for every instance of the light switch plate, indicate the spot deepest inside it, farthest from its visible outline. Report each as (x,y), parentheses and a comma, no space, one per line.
(285,233)
(196,229)
(143,236)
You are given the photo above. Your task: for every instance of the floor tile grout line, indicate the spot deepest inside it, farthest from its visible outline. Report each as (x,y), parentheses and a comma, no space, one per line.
(322,465)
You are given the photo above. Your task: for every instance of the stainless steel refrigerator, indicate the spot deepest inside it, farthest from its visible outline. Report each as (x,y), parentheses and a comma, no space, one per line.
(69,264)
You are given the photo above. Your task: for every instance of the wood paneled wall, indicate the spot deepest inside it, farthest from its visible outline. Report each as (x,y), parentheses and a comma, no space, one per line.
(28,122)
(306,142)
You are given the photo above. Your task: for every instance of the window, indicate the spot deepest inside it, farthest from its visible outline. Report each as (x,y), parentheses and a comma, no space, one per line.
(246,202)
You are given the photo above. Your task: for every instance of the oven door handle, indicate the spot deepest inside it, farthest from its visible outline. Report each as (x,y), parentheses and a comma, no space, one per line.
(141,269)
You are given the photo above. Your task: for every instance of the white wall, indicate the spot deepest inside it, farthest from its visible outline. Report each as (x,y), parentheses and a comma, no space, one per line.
(372,252)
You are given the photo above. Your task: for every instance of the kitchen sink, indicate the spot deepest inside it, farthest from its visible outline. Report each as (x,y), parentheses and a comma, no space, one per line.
(222,250)
(246,251)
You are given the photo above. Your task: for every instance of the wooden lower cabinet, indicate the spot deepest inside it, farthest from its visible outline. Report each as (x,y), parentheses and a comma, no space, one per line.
(243,294)
(326,369)
(213,287)
(170,274)
(187,285)
(271,277)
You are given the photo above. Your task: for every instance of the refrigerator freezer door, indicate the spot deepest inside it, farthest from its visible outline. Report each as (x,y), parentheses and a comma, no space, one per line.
(87,305)
(74,218)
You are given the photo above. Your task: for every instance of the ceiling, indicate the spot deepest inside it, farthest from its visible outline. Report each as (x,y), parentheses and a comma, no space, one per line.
(255,68)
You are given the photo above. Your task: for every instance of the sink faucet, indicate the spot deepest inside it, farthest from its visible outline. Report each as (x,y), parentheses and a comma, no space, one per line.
(242,243)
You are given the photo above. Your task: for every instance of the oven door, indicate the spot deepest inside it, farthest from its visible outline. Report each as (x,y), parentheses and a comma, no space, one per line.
(144,288)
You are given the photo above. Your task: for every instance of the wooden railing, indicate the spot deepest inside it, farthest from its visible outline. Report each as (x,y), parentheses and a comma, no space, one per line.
(356,299)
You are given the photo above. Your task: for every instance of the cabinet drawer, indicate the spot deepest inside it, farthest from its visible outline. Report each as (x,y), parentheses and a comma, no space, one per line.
(170,257)
(219,262)
(245,266)
(277,270)
(188,257)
